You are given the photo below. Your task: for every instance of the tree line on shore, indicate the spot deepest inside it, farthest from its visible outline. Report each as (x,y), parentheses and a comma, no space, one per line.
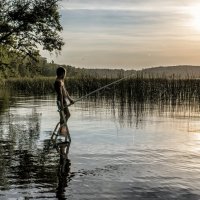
(13,64)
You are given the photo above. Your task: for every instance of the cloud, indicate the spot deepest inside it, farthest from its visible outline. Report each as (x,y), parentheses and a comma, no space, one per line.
(100,33)
(131,5)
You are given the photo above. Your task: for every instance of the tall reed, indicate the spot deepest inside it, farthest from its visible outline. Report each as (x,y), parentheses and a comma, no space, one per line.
(138,89)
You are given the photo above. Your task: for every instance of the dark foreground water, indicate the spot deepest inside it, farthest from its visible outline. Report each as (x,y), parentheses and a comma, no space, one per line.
(140,151)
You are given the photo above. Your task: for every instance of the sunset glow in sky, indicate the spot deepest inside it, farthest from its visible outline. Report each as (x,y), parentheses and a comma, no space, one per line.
(129,34)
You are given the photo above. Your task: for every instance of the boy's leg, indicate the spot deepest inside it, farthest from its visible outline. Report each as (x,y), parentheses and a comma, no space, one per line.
(67,113)
(65,116)
(55,132)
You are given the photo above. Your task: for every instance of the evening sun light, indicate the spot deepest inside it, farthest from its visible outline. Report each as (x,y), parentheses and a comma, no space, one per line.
(194,11)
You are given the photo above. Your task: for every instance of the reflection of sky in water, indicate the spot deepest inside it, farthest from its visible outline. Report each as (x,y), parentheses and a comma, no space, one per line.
(155,155)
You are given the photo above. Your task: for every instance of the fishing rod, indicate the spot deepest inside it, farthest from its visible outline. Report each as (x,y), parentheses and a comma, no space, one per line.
(101,88)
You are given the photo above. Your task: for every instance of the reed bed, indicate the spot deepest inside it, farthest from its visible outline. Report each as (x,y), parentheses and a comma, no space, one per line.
(36,86)
(138,89)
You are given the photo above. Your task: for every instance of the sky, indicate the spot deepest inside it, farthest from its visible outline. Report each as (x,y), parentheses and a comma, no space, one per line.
(129,34)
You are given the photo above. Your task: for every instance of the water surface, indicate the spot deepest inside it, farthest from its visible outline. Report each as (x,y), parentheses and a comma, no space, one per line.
(118,151)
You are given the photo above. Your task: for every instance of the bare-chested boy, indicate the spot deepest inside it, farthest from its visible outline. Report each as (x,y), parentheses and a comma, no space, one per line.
(62,96)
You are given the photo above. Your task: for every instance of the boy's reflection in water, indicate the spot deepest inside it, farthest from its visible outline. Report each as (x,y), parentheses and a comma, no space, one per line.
(64,175)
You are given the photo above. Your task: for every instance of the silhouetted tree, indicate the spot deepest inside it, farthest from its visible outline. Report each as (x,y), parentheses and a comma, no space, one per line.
(27,24)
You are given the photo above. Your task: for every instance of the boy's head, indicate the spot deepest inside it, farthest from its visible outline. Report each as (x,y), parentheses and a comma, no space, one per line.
(60,72)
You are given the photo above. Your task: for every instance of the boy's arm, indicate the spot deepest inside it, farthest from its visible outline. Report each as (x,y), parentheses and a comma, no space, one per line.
(70,99)
(61,98)
(60,95)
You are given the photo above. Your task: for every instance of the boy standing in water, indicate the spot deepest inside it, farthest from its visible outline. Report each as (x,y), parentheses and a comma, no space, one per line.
(62,96)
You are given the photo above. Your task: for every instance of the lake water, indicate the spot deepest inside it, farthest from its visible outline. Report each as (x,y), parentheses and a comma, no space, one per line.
(118,151)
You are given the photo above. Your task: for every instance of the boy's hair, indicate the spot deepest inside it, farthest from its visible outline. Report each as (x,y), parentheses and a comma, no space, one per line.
(60,71)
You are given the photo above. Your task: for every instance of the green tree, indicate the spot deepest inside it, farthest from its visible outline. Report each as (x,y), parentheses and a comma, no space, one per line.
(27,24)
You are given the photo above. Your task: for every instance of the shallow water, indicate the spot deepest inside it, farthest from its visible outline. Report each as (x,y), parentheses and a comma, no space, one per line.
(140,151)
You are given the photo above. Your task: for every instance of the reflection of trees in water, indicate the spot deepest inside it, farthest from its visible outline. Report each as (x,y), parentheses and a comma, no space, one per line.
(23,168)
(21,162)
(26,168)
(24,129)
(4,101)
(6,146)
